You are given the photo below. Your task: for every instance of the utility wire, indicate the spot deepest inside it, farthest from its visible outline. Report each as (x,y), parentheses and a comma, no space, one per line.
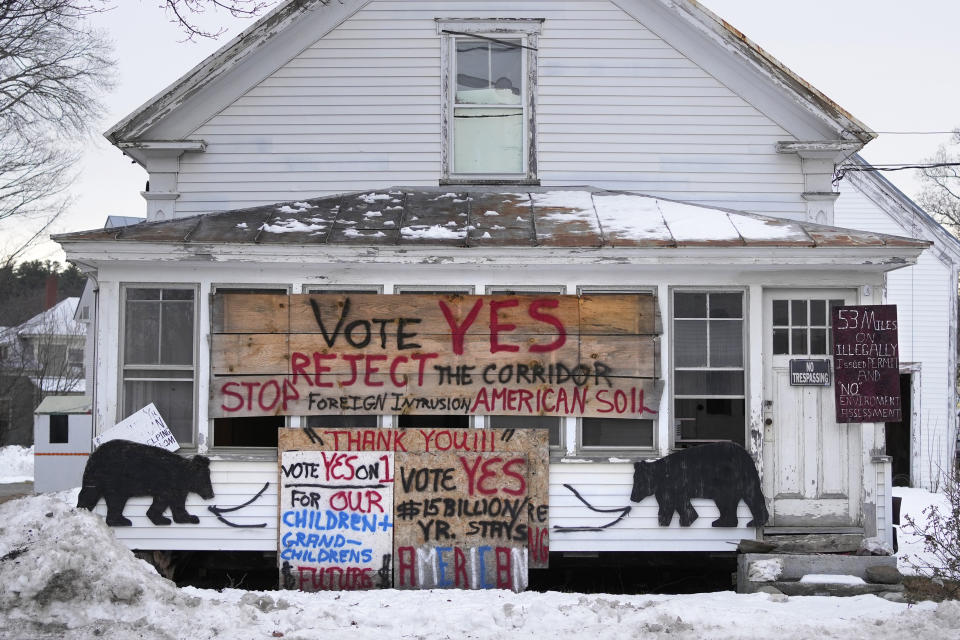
(843,170)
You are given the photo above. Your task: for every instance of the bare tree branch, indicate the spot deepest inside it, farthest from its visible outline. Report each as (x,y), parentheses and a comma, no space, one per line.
(184,13)
(54,67)
(940,187)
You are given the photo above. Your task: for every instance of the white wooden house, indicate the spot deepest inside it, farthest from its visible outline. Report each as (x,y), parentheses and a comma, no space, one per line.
(467,147)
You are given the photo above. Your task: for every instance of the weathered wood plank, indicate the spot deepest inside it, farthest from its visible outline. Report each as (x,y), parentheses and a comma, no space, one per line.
(250,313)
(264,353)
(241,396)
(536,314)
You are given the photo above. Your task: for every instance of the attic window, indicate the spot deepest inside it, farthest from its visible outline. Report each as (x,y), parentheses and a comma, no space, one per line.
(489,69)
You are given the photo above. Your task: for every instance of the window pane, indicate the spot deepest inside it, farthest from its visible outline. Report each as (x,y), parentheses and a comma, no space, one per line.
(162,373)
(799,341)
(818,341)
(689,305)
(180,294)
(176,341)
(818,313)
(726,343)
(608,432)
(259,431)
(472,69)
(710,419)
(59,430)
(505,72)
(780,314)
(709,383)
(726,305)
(798,313)
(143,294)
(174,401)
(529,422)
(488,140)
(690,343)
(343,422)
(781,341)
(141,343)
(433,422)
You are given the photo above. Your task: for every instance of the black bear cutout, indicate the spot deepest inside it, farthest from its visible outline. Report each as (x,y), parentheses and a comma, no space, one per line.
(120,469)
(721,471)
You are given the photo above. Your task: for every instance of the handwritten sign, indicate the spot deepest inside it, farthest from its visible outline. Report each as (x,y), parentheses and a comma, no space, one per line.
(866,363)
(146,426)
(470,506)
(434,354)
(336,520)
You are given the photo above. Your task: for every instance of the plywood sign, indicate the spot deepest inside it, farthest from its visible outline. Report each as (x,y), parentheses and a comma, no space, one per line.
(434,354)
(468,507)
(866,360)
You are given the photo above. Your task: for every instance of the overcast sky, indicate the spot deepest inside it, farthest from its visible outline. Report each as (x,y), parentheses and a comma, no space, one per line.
(891,63)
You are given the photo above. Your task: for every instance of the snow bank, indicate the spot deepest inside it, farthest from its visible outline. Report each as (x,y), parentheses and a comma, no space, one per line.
(64,575)
(914,501)
(16,464)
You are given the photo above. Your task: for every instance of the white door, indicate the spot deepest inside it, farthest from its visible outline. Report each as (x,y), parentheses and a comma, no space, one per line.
(812,464)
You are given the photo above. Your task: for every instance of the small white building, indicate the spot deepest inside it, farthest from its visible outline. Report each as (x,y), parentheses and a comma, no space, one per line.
(399,148)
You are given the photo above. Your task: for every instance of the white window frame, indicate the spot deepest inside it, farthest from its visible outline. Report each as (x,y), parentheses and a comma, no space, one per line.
(528,31)
(121,354)
(745,332)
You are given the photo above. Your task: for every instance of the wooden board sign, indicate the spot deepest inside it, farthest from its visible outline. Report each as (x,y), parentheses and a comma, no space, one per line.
(348,354)
(412,508)
(866,363)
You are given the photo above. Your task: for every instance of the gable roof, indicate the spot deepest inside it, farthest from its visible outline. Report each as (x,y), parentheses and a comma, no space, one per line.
(557,218)
(293,26)
(904,211)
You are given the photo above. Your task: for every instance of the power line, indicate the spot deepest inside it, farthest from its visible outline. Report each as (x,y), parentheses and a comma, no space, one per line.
(841,171)
(916,133)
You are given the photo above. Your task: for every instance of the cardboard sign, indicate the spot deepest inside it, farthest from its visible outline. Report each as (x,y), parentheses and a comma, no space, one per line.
(469,506)
(866,361)
(434,355)
(146,426)
(810,373)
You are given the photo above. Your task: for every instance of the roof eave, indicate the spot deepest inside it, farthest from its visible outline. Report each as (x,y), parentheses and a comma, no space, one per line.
(816,101)
(870,258)
(213,66)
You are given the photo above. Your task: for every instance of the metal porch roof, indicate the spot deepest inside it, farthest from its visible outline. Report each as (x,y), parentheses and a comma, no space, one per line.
(481,217)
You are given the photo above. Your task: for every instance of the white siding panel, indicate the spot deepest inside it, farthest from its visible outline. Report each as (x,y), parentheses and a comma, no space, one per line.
(922,294)
(234,482)
(608,486)
(617,107)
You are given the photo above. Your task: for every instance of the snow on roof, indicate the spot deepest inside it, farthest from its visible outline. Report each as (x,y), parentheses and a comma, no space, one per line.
(57,320)
(546,217)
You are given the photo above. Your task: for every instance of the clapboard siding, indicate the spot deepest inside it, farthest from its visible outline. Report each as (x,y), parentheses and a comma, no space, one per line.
(922,294)
(603,485)
(617,107)
(234,482)
(608,486)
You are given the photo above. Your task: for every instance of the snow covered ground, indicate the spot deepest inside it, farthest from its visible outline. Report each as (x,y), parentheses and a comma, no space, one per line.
(64,575)
(16,464)
(914,501)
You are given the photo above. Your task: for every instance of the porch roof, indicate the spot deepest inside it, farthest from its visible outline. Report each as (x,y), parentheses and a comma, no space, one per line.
(522,217)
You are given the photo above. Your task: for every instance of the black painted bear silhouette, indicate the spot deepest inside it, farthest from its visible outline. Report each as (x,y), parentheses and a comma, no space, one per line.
(120,469)
(721,471)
